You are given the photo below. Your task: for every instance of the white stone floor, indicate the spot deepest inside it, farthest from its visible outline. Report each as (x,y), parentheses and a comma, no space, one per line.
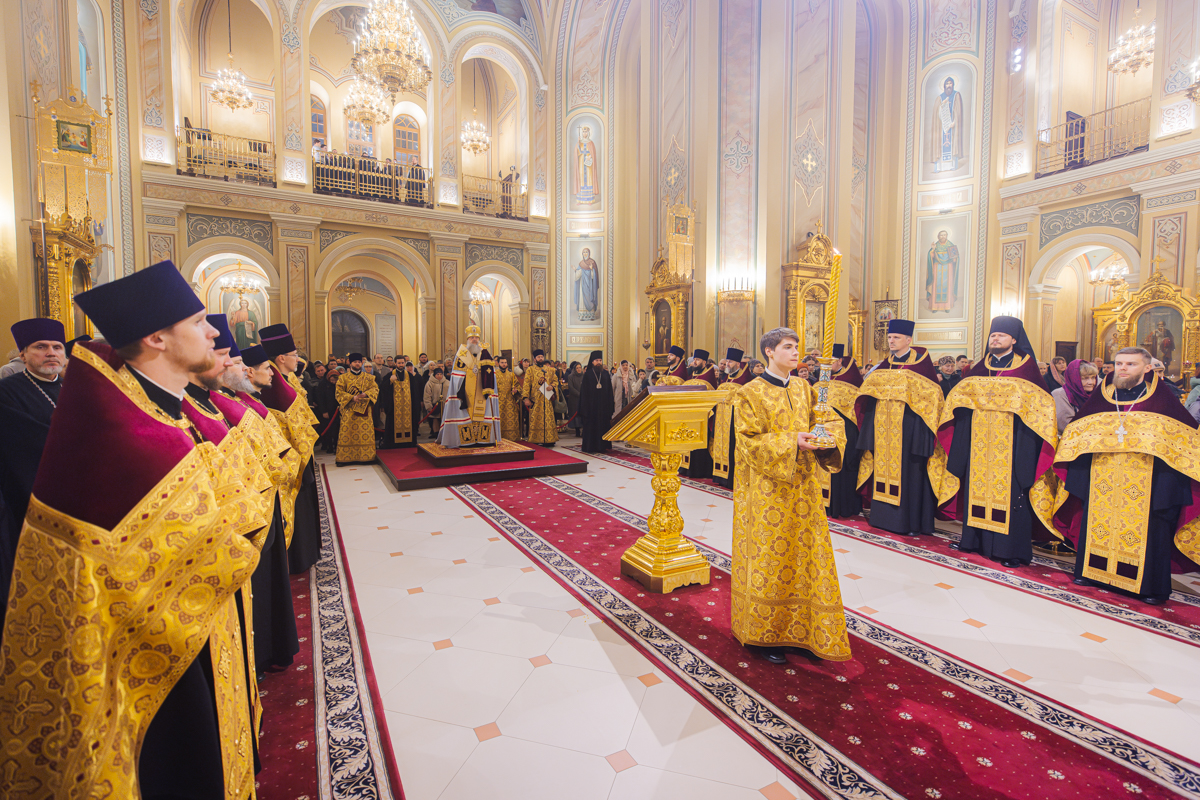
(498,684)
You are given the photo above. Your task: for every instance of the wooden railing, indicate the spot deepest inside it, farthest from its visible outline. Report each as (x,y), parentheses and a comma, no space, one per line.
(209,154)
(505,199)
(371,179)
(1111,133)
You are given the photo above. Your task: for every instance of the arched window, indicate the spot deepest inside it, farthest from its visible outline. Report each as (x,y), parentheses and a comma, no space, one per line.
(349,333)
(407,137)
(360,138)
(318,121)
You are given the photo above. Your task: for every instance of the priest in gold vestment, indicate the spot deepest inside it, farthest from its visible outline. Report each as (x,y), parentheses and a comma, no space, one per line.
(508,394)
(122,626)
(356,394)
(785,583)
(539,390)
(1129,498)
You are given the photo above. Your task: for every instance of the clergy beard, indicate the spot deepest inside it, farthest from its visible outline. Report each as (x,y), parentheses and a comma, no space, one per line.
(210,382)
(1127,383)
(730,369)
(999,352)
(698,370)
(235,379)
(356,371)
(474,349)
(210,361)
(49,374)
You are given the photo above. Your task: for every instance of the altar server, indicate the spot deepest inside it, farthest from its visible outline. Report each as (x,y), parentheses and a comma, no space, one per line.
(357,392)
(785,584)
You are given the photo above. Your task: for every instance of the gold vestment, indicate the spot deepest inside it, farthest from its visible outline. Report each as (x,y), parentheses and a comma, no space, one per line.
(402,426)
(101,624)
(1123,449)
(510,404)
(356,440)
(543,429)
(994,401)
(785,583)
(296,425)
(722,421)
(893,390)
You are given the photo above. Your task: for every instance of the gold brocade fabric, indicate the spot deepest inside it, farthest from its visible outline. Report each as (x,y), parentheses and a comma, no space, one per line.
(402,411)
(722,420)
(1148,433)
(293,472)
(785,584)
(470,365)
(990,493)
(924,397)
(356,441)
(842,396)
(305,411)
(510,404)
(542,427)
(1008,397)
(1118,515)
(100,626)
(889,451)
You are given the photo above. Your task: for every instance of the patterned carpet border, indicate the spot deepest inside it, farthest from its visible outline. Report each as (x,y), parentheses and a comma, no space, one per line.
(1116,610)
(354,755)
(828,770)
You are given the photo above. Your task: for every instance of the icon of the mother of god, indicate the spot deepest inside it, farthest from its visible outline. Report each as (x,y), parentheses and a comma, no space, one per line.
(587,167)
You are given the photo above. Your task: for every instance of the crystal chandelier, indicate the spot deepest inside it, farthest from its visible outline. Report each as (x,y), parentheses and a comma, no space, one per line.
(367,102)
(348,289)
(238,283)
(230,89)
(1135,49)
(388,50)
(474,135)
(1112,275)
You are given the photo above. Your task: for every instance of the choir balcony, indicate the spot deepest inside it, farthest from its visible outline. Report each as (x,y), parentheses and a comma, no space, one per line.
(1085,140)
(506,198)
(208,154)
(371,179)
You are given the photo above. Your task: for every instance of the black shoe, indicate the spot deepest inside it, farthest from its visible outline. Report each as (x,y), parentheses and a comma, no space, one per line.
(773,655)
(1010,562)
(957,546)
(1152,600)
(1084,582)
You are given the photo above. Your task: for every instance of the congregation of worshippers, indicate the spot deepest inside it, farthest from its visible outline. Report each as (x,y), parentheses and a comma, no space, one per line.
(158,480)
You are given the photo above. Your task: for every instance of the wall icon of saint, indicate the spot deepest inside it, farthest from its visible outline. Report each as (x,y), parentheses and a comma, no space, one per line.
(946,129)
(587,288)
(941,274)
(245,320)
(585,186)
(662,327)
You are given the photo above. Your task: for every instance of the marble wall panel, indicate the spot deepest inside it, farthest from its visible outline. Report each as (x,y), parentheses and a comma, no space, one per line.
(808,154)
(950,26)
(1168,245)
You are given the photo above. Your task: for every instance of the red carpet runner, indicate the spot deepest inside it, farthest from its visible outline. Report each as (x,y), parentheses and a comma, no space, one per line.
(1045,577)
(901,719)
(324,734)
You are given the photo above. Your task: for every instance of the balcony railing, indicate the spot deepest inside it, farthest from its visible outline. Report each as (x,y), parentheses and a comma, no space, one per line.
(1078,142)
(209,154)
(371,179)
(505,199)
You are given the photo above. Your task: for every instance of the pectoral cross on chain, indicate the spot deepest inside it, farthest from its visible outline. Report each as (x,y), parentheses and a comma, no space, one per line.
(1121,433)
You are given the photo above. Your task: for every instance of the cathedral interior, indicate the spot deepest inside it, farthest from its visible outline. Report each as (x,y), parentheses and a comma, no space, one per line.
(397,177)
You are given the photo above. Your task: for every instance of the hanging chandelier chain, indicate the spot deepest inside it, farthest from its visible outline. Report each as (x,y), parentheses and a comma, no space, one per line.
(1135,48)
(230,88)
(474,133)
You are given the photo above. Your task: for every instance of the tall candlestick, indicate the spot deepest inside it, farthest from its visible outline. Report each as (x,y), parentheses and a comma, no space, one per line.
(835,285)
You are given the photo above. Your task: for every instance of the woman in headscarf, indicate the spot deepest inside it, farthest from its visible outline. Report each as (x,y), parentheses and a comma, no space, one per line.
(1054,373)
(574,385)
(1078,383)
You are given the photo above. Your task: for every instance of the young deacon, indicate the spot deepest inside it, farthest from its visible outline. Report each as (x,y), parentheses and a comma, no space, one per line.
(999,432)
(785,583)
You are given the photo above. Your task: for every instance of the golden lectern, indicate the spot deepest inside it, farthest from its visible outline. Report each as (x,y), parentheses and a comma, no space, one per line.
(668,421)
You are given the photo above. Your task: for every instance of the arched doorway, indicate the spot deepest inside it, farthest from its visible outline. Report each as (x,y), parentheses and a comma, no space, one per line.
(349,333)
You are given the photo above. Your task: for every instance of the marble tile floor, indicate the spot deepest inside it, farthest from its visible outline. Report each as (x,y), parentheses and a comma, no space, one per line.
(497,683)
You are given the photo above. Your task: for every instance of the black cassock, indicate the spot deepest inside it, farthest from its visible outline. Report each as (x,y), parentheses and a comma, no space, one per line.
(1027,446)
(25,413)
(917,502)
(1170,491)
(385,407)
(844,497)
(596,407)
(305,548)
